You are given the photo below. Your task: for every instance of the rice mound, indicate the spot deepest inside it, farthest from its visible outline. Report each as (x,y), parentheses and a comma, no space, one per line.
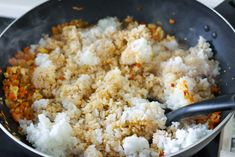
(92,90)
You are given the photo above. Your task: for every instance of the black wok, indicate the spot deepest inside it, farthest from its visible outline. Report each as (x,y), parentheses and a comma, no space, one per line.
(192,20)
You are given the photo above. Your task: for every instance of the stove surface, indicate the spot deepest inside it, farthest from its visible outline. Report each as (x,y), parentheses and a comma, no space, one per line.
(9,148)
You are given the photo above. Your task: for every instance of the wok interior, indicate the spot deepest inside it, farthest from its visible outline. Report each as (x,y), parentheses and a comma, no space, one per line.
(190,17)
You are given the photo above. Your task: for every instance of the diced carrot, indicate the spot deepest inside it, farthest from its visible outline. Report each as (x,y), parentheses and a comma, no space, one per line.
(172,21)
(13,61)
(12,96)
(215,89)
(161,153)
(55,30)
(19,55)
(138,65)
(22,92)
(61,78)
(214,119)
(26,50)
(16,116)
(131,76)
(17,85)
(22,62)
(14,77)
(15,82)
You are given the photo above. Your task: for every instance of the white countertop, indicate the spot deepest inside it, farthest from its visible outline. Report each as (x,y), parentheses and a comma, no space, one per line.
(16,8)
(211,3)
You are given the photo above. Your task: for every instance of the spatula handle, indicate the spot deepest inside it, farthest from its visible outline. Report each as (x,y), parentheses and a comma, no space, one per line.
(220,103)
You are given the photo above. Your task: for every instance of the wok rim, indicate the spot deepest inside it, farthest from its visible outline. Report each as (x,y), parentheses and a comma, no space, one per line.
(226,119)
(214,131)
(15,139)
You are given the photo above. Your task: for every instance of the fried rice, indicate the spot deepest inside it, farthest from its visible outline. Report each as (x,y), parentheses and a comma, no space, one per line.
(83,91)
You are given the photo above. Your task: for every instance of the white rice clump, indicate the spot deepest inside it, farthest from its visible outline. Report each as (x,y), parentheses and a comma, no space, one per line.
(138,51)
(88,58)
(92,91)
(55,138)
(40,104)
(137,146)
(183,138)
(144,110)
